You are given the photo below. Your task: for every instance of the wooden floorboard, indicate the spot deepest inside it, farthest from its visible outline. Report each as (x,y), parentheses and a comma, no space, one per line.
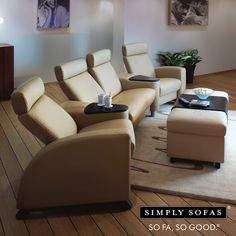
(108,224)
(152,199)
(178,201)
(226,225)
(21,151)
(31,143)
(62,226)
(86,225)
(131,223)
(8,209)
(38,227)
(2,233)
(136,210)
(18,146)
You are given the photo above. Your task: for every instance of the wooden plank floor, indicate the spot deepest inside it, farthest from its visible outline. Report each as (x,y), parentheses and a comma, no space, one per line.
(18,146)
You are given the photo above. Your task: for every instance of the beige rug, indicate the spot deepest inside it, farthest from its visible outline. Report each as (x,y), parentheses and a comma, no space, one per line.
(152,170)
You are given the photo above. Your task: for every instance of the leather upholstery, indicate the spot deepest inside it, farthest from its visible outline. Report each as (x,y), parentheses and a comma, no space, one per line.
(76,82)
(42,116)
(73,168)
(194,147)
(128,84)
(137,61)
(168,85)
(79,169)
(98,58)
(134,99)
(197,134)
(174,72)
(116,126)
(123,91)
(210,123)
(48,121)
(101,69)
(134,49)
(70,69)
(80,86)
(26,95)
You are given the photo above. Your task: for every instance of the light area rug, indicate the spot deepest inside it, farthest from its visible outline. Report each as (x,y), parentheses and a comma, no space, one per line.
(151,169)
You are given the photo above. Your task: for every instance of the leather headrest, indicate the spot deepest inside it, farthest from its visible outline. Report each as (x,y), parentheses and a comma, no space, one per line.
(24,97)
(134,49)
(70,69)
(98,58)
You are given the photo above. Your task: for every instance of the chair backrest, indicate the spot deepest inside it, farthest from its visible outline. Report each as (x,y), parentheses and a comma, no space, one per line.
(40,114)
(76,82)
(136,59)
(101,69)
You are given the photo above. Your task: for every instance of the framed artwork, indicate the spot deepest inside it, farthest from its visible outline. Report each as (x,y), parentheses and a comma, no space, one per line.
(53,14)
(188,12)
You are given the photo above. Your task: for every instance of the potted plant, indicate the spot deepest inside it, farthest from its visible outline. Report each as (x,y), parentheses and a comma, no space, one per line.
(186,58)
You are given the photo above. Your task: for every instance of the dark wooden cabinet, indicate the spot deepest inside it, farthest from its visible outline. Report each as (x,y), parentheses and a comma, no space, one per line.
(6,71)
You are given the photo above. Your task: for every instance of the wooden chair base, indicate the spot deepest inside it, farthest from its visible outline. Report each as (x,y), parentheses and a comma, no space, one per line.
(74,210)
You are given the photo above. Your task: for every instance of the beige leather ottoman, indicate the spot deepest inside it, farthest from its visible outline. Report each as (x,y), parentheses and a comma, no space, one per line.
(197,134)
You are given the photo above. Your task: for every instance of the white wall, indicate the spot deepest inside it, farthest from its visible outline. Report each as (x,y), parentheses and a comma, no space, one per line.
(37,52)
(118,35)
(97,24)
(146,20)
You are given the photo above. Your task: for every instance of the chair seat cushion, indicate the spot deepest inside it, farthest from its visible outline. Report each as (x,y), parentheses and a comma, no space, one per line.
(112,126)
(137,100)
(169,85)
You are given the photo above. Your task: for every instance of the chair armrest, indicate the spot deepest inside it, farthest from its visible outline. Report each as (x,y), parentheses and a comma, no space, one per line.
(128,84)
(173,72)
(76,110)
(79,169)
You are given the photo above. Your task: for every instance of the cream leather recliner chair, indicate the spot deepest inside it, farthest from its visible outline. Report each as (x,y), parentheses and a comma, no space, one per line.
(138,96)
(172,79)
(75,167)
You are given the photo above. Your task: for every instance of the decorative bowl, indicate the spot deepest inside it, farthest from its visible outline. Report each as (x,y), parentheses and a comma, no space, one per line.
(203,93)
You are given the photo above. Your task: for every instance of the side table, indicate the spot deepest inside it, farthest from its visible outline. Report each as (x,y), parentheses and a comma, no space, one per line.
(93,108)
(143,78)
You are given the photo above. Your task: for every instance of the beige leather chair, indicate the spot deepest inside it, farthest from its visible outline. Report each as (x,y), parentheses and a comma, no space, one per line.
(172,79)
(76,82)
(74,168)
(138,96)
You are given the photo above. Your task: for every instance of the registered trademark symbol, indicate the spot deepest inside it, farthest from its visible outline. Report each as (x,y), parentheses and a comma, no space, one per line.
(228,207)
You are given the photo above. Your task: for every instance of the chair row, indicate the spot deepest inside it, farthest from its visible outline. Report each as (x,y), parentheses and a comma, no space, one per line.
(81,80)
(85,156)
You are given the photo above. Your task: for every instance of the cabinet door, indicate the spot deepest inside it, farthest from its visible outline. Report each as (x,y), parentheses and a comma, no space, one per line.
(1,72)
(6,71)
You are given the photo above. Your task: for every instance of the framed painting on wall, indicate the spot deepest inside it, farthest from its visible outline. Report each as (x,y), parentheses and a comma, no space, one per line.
(188,12)
(53,14)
